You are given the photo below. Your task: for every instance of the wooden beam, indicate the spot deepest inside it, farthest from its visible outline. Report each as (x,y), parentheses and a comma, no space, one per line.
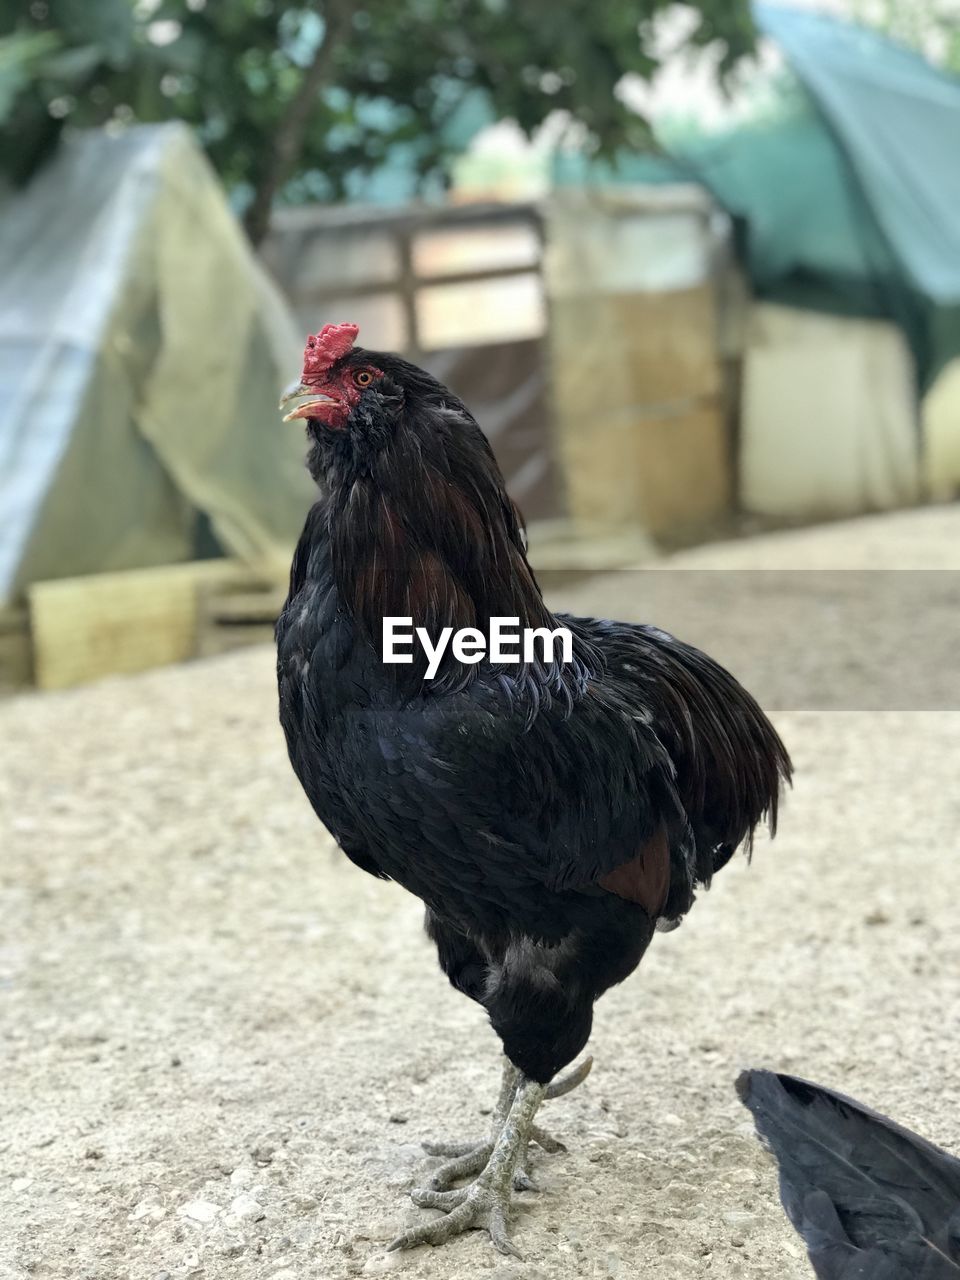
(16,659)
(406,284)
(230,617)
(116,623)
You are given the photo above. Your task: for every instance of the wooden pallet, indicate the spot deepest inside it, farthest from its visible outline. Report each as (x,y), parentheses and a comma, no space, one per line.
(16,652)
(232,615)
(117,623)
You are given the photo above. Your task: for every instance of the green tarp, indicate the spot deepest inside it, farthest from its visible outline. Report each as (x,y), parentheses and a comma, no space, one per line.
(142,349)
(845,186)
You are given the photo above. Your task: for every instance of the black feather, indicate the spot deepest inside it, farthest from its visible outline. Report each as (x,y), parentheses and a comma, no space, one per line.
(872,1200)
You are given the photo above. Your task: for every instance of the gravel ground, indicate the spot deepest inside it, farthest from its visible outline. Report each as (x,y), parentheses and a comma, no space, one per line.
(220,1043)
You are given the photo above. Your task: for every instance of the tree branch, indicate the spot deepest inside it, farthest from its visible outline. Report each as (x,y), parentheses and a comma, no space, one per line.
(287,142)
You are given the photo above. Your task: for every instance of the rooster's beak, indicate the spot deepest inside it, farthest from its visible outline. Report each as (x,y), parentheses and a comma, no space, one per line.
(314,399)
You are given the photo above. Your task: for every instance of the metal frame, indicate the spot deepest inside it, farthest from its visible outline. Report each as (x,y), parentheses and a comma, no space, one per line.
(404,225)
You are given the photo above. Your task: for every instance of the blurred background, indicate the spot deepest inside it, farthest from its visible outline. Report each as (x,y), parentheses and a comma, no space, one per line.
(696,269)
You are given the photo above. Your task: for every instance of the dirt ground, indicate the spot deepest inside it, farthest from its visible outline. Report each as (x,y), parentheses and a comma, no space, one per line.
(220,1043)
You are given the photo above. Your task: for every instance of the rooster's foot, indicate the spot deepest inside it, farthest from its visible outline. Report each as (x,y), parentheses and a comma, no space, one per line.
(470,1157)
(478,1205)
(485,1203)
(467,1158)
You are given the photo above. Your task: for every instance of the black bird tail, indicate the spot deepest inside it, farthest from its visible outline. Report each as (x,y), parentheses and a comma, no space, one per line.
(872,1200)
(730,760)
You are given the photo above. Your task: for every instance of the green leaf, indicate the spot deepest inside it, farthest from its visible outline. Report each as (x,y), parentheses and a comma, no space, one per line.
(72,65)
(20,56)
(396,83)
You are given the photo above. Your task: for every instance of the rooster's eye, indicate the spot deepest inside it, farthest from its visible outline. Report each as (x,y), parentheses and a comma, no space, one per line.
(363,377)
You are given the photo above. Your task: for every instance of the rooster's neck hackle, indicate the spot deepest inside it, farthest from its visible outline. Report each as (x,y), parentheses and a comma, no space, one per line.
(427,531)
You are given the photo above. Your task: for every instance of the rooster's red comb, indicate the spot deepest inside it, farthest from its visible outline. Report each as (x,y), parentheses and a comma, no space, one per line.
(325,348)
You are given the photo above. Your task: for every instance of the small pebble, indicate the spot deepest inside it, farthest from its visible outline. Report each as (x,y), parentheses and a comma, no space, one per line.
(200,1210)
(739,1218)
(877,916)
(381,1262)
(244,1206)
(147,1209)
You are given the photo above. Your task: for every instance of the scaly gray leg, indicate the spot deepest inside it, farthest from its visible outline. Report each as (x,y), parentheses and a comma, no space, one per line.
(484,1203)
(470,1157)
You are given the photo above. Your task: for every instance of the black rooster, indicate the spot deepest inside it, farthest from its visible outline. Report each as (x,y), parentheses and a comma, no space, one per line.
(872,1200)
(549,814)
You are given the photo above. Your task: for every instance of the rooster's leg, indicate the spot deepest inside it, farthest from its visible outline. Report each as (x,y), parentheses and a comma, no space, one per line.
(467,1158)
(486,1201)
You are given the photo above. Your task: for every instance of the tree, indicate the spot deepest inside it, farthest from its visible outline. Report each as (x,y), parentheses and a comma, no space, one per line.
(295,100)
(929,26)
